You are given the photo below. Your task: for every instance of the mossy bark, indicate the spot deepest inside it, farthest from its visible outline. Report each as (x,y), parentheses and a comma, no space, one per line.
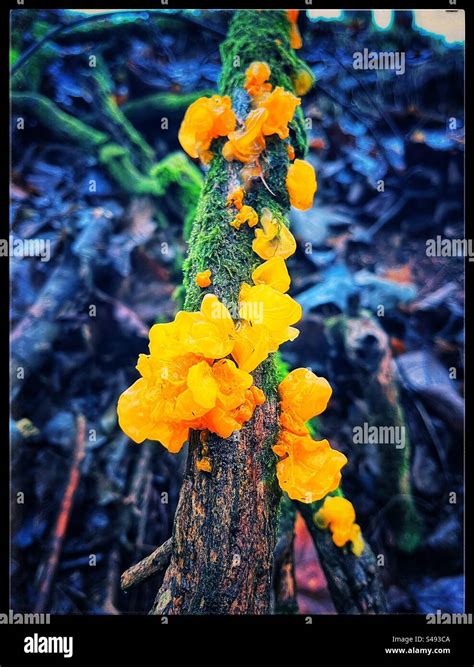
(226,521)
(284,579)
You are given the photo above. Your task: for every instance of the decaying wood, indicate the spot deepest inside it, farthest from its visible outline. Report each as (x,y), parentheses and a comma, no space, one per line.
(352,581)
(284,581)
(224,531)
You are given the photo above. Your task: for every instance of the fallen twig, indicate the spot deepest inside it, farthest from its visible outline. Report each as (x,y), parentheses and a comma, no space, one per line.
(63,517)
(147,567)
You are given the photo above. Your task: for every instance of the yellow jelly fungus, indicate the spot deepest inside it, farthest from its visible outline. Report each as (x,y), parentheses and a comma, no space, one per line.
(292,423)
(203,278)
(291,152)
(252,346)
(338,514)
(357,541)
(311,468)
(261,305)
(295,37)
(248,142)
(274,273)
(301,184)
(274,239)
(304,394)
(258,396)
(302,82)
(256,79)
(208,332)
(281,105)
(206,119)
(235,198)
(246,215)
(186,383)
(183,391)
(204,464)
(266,317)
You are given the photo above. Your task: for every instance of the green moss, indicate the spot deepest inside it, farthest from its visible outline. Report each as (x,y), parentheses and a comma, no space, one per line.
(281,367)
(111,30)
(215,245)
(164,103)
(124,172)
(179,296)
(30,74)
(247,33)
(114,119)
(57,121)
(177,171)
(14,55)
(40,29)
(268,461)
(286,514)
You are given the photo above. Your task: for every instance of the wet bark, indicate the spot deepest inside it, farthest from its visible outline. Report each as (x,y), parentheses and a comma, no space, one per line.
(284,580)
(353,582)
(224,532)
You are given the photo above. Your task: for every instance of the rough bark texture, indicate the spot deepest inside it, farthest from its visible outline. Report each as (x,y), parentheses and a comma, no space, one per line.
(353,582)
(226,521)
(284,580)
(224,530)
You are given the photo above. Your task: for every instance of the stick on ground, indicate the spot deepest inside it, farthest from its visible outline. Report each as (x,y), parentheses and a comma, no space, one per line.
(147,567)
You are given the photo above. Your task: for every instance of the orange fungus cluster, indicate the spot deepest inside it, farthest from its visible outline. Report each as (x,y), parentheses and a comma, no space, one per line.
(273,238)
(206,119)
(338,514)
(235,198)
(256,79)
(272,110)
(247,215)
(301,184)
(187,381)
(266,316)
(308,469)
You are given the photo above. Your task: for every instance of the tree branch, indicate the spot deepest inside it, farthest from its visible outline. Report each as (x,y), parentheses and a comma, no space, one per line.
(147,567)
